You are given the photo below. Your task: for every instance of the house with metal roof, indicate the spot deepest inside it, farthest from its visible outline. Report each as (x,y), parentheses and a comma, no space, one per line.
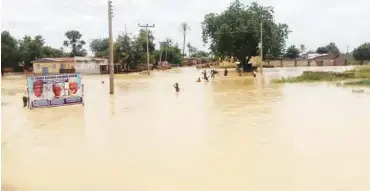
(84,65)
(45,66)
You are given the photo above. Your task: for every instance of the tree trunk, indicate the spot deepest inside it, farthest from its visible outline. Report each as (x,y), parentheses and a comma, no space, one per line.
(246,66)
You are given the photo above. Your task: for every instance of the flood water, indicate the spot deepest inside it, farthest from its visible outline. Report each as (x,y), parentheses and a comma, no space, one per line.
(232,133)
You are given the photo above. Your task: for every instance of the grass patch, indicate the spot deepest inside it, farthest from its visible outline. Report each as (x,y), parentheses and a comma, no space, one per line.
(310,76)
(363,72)
(317,76)
(363,82)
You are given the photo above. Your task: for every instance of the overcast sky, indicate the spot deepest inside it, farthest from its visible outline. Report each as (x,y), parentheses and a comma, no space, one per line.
(312,22)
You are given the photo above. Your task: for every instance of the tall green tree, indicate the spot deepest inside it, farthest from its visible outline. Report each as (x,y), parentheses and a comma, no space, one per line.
(139,46)
(330,48)
(322,50)
(75,42)
(31,49)
(124,51)
(236,31)
(9,51)
(292,52)
(184,29)
(362,52)
(50,52)
(100,47)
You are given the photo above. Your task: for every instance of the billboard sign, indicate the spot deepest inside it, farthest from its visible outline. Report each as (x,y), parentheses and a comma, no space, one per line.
(55,90)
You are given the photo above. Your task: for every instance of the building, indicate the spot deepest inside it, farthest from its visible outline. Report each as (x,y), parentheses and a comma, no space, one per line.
(45,66)
(89,65)
(84,65)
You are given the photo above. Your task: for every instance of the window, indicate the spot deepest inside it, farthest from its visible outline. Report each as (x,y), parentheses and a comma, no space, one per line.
(54,66)
(62,66)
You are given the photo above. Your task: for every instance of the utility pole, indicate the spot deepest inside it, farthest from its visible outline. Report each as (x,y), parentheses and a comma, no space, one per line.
(160,51)
(111,71)
(261,49)
(347,54)
(166,47)
(147,42)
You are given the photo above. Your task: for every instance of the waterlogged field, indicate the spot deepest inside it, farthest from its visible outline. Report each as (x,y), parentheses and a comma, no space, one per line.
(232,133)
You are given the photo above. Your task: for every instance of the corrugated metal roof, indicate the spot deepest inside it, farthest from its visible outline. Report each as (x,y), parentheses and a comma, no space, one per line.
(64,59)
(67,59)
(311,56)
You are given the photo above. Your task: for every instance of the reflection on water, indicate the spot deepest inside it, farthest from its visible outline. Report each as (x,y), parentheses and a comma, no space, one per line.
(232,133)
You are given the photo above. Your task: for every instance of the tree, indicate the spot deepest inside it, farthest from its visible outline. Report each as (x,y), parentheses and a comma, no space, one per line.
(292,52)
(31,49)
(50,52)
(236,32)
(330,48)
(184,29)
(201,54)
(74,41)
(362,52)
(100,47)
(9,51)
(124,52)
(322,50)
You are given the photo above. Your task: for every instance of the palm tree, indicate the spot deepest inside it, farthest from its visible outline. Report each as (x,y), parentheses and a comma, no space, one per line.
(184,29)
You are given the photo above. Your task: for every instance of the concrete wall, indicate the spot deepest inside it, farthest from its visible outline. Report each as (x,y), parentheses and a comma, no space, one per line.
(53,67)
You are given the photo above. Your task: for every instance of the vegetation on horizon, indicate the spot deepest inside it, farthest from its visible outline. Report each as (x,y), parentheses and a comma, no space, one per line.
(128,49)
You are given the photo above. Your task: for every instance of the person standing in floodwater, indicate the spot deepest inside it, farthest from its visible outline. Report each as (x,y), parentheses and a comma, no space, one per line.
(25,99)
(254,73)
(205,77)
(177,88)
(226,72)
(240,71)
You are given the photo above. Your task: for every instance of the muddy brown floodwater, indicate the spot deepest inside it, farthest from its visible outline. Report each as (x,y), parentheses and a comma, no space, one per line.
(232,133)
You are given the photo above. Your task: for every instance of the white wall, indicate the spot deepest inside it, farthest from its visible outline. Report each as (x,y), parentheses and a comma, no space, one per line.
(87,67)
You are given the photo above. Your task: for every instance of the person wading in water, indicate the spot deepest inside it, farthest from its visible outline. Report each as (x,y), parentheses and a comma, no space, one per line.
(205,77)
(177,88)
(225,72)
(213,73)
(254,73)
(25,99)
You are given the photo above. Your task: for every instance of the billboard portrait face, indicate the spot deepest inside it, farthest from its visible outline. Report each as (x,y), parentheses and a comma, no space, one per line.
(38,87)
(73,87)
(57,90)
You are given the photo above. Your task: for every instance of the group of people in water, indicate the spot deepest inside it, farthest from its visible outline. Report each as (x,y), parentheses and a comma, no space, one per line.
(212,75)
